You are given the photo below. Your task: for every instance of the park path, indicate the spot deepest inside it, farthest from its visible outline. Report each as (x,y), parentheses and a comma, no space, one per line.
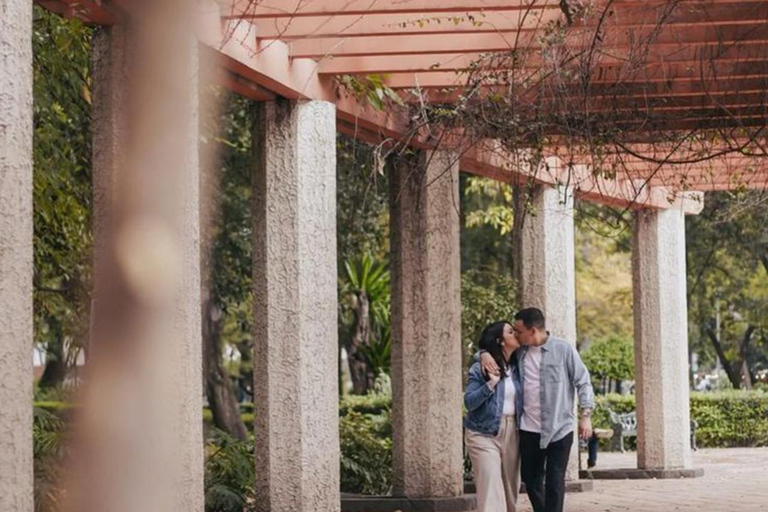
(735,480)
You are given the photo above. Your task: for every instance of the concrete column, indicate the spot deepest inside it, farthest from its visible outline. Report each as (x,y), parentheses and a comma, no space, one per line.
(426,326)
(549,270)
(16,261)
(153,171)
(110,95)
(661,340)
(295,302)
(548,266)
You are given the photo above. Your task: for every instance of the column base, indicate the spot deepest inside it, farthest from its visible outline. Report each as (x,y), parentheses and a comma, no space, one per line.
(640,474)
(570,486)
(359,503)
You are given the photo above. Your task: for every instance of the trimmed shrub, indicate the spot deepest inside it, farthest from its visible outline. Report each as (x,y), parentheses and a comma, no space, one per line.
(724,419)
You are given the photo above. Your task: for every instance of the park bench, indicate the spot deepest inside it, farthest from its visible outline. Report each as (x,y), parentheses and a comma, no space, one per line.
(625,425)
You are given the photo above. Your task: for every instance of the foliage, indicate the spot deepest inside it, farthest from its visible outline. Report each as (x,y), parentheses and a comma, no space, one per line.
(371,89)
(229,473)
(365,429)
(362,202)
(62,183)
(485,297)
(727,251)
(497,197)
(610,358)
(487,218)
(49,436)
(373,278)
(725,419)
(603,274)
(231,226)
(366,453)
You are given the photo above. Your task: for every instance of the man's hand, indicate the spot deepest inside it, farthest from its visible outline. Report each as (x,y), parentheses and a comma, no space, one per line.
(493,379)
(585,428)
(490,367)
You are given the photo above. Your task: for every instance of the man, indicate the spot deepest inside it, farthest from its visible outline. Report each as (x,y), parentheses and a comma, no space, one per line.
(551,373)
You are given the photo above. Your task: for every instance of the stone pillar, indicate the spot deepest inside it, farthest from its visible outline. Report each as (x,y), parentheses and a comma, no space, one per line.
(426,327)
(110,94)
(661,340)
(295,308)
(146,164)
(16,262)
(549,265)
(548,270)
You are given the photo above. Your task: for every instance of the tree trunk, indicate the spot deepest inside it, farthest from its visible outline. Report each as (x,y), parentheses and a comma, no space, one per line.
(55,371)
(361,333)
(733,376)
(745,373)
(221,396)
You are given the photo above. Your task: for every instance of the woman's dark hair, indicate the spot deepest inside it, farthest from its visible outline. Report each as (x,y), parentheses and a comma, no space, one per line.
(491,340)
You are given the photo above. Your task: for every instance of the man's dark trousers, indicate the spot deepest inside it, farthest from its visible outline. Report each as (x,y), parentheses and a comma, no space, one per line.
(551,462)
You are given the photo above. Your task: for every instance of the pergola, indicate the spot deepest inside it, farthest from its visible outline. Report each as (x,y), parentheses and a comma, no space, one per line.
(288,54)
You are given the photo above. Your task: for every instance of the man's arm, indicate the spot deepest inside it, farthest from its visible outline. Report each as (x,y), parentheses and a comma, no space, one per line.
(583,384)
(581,381)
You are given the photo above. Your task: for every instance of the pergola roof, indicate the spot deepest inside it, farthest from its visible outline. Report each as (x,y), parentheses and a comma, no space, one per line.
(706,66)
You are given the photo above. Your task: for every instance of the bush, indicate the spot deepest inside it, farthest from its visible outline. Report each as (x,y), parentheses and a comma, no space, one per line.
(610,358)
(366,453)
(725,419)
(229,473)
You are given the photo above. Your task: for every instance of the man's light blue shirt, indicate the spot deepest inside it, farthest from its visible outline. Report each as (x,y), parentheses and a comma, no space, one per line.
(563,374)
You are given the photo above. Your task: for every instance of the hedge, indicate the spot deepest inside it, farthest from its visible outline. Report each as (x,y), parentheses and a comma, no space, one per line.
(724,419)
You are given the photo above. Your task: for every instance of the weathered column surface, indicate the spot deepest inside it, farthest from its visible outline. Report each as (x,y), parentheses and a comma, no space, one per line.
(295,316)
(146,172)
(426,326)
(661,339)
(548,266)
(109,122)
(549,271)
(16,256)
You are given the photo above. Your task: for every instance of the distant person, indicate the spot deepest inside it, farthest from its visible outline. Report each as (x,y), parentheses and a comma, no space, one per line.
(551,373)
(493,403)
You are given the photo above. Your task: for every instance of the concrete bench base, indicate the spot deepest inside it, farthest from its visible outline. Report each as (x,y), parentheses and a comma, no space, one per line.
(640,474)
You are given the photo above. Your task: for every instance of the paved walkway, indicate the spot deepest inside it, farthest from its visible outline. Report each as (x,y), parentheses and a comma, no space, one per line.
(735,480)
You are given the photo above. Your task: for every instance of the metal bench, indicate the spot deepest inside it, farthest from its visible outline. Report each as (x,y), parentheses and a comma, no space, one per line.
(625,425)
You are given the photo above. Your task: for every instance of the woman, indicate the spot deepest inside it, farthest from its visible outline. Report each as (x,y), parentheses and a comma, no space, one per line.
(493,404)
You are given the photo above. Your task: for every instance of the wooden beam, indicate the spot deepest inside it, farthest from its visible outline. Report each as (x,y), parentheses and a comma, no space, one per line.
(319,8)
(691,57)
(609,76)
(477,21)
(430,43)
(92,12)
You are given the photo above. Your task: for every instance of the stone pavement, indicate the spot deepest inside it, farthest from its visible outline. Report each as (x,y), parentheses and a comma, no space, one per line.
(735,480)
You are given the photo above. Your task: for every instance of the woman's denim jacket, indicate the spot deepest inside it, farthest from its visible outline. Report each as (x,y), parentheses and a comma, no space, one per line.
(484,406)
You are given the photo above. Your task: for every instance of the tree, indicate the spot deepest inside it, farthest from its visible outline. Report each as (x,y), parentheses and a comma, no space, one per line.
(603,274)
(610,359)
(62,190)
(226,252)
(728,283)
(362,206)
(367,287)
